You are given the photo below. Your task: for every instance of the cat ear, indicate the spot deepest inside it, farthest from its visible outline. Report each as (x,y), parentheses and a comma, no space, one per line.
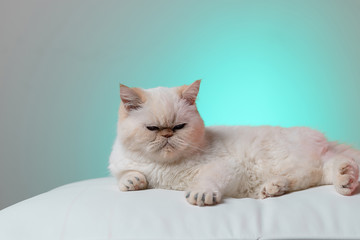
(132,98)
(190,93)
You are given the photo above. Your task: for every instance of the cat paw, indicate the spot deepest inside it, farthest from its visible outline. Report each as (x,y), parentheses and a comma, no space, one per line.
(346,177)
(201,197)
(132,181)
(273,188)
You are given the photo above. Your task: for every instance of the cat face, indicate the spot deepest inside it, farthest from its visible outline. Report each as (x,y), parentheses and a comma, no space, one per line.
(161,124)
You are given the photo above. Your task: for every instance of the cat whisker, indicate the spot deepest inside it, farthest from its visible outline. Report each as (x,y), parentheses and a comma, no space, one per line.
(153,146)
(157,145)
(183,143)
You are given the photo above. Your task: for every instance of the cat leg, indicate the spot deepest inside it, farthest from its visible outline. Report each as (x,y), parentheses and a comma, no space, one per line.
(295,180)
(209,185)
(343,172)
(132,180)
(275,187)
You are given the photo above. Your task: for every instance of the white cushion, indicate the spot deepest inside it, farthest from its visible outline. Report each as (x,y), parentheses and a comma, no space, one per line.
(97,210)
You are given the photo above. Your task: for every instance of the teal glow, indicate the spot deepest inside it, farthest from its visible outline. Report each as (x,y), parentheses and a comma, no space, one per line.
(288,63)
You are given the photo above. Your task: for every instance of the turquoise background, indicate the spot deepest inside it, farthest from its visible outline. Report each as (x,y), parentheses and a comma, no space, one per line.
(287,63)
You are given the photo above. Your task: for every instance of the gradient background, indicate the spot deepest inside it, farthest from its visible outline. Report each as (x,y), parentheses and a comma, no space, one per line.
(285,63)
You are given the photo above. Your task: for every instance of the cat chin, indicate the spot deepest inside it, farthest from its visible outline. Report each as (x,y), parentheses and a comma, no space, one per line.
(166,155)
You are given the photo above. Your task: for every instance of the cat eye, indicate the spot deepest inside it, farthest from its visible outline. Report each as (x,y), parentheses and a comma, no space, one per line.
(180,126)
(152,128)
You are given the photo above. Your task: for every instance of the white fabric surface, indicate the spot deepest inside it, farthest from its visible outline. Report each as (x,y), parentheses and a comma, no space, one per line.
(97,210)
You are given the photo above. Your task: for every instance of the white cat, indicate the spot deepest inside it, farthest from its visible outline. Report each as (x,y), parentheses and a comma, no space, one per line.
(162,143)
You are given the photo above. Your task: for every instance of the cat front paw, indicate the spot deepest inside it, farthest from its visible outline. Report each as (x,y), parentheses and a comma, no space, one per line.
(203,197)
(346,178)
(132,181)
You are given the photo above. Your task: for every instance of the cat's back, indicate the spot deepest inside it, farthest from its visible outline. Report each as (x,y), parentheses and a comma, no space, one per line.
(245,137)
(302,142)
(241,133)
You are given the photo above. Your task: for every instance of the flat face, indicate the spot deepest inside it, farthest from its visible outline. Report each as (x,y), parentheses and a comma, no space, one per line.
(164,126)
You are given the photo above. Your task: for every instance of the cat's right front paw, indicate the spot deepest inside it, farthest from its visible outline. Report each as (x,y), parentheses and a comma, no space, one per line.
(132,181)
(203,197)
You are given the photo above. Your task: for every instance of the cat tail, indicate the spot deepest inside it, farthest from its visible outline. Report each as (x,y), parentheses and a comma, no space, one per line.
(346,150)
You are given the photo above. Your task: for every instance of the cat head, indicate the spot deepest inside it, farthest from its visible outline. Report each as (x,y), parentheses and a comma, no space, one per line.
(161,124)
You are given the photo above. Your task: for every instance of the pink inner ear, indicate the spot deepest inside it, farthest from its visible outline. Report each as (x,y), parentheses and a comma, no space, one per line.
(191,92)
(130,98)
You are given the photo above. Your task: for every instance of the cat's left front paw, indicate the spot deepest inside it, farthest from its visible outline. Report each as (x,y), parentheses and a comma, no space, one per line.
(203,197)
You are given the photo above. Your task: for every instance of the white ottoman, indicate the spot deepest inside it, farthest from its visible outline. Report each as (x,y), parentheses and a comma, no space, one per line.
(97,210)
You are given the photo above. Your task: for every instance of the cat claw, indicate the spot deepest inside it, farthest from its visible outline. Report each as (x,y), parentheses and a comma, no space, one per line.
(202,198)
(132,181)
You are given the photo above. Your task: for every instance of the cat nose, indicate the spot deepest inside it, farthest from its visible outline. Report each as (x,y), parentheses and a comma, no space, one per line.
(167,133)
